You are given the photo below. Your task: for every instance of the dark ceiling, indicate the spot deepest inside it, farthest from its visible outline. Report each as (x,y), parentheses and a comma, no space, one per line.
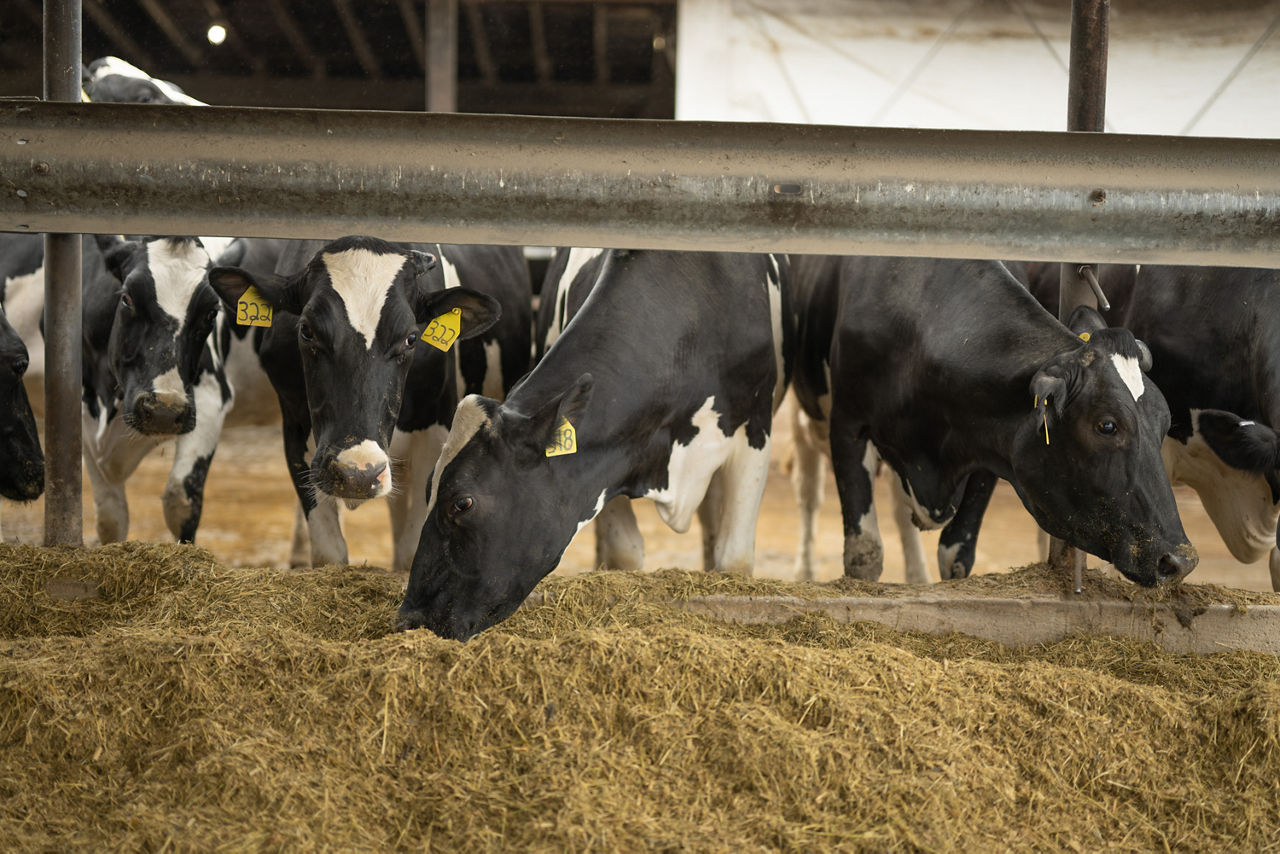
(613,59)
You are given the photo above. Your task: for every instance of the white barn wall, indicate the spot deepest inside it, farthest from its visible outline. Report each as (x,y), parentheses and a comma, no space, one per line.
(861,62)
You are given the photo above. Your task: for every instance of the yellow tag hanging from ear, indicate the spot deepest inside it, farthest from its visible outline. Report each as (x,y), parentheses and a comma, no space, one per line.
(442,331)
(1046,421)
(252,309)
(1084,336)
(565,440)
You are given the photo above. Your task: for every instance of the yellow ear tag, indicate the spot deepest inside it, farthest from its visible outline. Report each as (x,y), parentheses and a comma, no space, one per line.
(252,309)
(1084,336)
(1046,421)
(565,441)
(442,331)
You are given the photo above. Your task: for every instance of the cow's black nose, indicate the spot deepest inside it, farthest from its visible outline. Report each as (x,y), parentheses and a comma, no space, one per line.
(19,366)
(1175,566)
(159,417)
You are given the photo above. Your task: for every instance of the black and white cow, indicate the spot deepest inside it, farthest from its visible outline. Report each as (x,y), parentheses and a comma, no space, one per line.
(150,369)
(662,386)
(111,79)
(1214,335)
(21,460)
(951,369)
(365,403)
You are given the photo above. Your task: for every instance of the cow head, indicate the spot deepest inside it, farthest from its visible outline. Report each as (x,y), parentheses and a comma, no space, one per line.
(500,514)
(162,323)
(362,306)
(1086,457)
(21,461)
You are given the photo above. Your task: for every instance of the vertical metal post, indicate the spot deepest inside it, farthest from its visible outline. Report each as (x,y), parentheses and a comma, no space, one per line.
(63,515)
(442,56)
(1086,111)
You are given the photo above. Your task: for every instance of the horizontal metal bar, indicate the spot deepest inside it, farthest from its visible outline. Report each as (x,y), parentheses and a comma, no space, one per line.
(638,184)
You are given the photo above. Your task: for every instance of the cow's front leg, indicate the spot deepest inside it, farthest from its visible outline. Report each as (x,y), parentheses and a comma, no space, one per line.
(855,461)
(323,524)
(709,519)
(619,544)
(915,571)
(419,451)
(958,544)
(742,481)
(1275,568)
(112,452)
(184,493)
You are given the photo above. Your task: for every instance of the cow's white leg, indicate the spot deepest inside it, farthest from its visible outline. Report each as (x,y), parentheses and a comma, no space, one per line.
(422,449)
(300,546)
(327,543)
(184,493)
(808,481)
(916,571)
(1042,544)
(710,512)
(742,481)
(112,452)
(619,544)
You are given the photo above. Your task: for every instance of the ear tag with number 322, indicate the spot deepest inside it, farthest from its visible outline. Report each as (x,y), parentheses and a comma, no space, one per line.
(442,331)
(252,309)
(565,440)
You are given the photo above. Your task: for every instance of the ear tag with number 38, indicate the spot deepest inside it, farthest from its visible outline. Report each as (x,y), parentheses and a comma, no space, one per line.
(252,309)
(565,440)
(442,331)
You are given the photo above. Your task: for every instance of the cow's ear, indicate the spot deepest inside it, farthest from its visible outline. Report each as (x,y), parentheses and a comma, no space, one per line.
(1238,442)
(117,255)
(479,311)
(1050,386)
(230,283)
(569,406)
(423,263)
(1086,319)
(1144,356)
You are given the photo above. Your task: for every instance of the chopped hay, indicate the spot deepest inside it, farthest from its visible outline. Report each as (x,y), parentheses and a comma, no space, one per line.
(201,707)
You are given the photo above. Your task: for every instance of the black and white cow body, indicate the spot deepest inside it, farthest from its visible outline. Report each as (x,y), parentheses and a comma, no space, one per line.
(952,370)
(112,80)
(1214,335)
(668,376)
(365,404)
(21,460)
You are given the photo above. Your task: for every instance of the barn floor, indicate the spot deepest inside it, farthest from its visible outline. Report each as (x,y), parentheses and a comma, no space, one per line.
(191,706)
(248,520)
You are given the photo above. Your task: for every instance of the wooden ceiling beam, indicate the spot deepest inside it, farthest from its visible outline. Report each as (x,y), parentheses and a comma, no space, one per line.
(414,30)
(355,35)
(480,45)
(297,41)
(538,35)
(169,27)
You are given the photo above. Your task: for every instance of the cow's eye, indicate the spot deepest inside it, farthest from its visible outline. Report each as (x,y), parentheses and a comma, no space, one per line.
(410,339)
(1106,427)
(462,504)
(305,333)
(126,300)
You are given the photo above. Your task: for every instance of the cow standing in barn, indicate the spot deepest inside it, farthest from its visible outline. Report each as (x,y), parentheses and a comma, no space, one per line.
(21,460)
(662,386)
(1214,335)
(365,400)
(951,369)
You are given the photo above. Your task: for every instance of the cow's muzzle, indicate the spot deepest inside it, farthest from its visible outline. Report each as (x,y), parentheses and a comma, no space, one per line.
(359,472)
(160,415)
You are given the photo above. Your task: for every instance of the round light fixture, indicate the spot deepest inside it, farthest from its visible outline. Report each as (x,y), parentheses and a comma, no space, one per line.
(217,34)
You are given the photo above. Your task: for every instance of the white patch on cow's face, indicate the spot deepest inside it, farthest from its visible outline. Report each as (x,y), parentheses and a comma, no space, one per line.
(215,246)
(168,388)
(24,306)
(773,287)
(368,454)
(177,268)
(467,421)
(1130,373)
(362,280)
(1238,502)
(578,258)
(116,65)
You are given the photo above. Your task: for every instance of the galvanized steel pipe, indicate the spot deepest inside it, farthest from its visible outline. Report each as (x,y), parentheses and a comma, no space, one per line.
(639,184)
(63,520)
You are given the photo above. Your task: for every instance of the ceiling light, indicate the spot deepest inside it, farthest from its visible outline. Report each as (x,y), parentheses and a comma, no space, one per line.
(217,34)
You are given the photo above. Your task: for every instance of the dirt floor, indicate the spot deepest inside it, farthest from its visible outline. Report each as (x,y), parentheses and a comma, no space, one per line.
(249,511)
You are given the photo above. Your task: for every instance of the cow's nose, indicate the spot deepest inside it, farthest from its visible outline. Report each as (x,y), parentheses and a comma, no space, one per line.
(159,416)
(1175,565)
(359,480)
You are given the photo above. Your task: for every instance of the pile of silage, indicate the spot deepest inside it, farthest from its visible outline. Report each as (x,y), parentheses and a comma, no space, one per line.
(211,708)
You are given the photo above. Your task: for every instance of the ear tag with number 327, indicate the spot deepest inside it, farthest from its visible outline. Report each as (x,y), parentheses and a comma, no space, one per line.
(442,331)
(252,309)
(565,440)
